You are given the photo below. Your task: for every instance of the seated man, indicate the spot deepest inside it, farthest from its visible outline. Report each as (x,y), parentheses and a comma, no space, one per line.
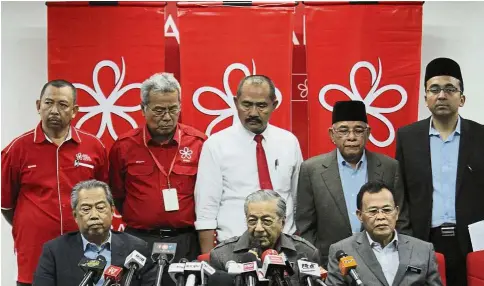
(265,216)
(93,207)
(384,257)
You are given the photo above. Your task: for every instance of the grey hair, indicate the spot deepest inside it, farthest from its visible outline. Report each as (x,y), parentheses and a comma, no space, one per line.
(264,196)
(88,185)
(159,82)
(258,80)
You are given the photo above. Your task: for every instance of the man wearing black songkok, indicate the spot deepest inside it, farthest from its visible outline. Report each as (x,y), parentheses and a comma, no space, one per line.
(329,183)
(442,166)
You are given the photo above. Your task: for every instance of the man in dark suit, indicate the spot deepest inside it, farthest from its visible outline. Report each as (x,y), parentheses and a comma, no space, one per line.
(442,166)
(93,207)
(328,183)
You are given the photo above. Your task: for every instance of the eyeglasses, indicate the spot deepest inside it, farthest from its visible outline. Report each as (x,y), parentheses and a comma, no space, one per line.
(343,132)
(159,111)
(447,89)
(385,211)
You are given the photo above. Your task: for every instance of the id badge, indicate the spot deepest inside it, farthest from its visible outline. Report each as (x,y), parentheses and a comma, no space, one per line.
(170,199)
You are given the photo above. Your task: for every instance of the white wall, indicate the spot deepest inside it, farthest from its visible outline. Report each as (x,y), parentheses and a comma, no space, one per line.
(450,29)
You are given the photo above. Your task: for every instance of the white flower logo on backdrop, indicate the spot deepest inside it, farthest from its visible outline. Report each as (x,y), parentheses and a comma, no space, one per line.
(227,97)
(373,94)
(106,105)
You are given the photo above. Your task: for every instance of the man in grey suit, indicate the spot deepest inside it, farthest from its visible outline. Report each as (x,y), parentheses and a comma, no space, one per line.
(328,183)
(383,256)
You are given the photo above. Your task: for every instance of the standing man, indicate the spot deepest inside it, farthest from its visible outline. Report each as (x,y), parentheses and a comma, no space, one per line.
(441,159)
(329,183)
(39,169)
(153,170)
(242,158)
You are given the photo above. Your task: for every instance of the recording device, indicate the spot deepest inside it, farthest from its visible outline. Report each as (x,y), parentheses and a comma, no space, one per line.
(93,269)
(273,267)
(133,262)
(309,272)
(347,266)
(162,254)
(207,271)
(176,272)
(193,273)
(249,268)
(112,275)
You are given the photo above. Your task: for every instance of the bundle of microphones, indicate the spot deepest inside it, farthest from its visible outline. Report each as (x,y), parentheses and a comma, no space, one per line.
(271,269)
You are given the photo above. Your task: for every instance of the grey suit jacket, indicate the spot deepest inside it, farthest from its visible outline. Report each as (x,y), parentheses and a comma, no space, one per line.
(60,257)
(321,213)
(411,251)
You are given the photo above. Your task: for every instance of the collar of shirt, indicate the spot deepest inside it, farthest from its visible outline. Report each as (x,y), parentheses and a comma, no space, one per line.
(342,161)
(249,135)
(435,132)
(149,140)
(106,244)
(40,136)
(393,243)
(284,242)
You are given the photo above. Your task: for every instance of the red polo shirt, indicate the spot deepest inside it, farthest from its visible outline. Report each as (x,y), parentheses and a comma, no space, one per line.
(37,179)
(136,178)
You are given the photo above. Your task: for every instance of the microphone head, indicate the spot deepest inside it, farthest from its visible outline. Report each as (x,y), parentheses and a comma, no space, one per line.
(273,263)
(135,259)
(193,268)
(346,263)
(163,250)
(339,254)
(207,268)
(248,257)
(183,260)
(114,273)
(268,252)
(95,265)
(233,267)
(307,268)
(175,270)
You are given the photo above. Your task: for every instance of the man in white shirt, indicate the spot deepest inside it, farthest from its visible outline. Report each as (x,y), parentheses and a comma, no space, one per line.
(244,158)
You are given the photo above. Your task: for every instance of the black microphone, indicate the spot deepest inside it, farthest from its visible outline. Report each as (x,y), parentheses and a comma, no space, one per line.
(235,268)
(176,271)
(93,269)
(249,268)
(162,254)
(193,272)
(273,267)
(220,278)
(133,262)
(347,266)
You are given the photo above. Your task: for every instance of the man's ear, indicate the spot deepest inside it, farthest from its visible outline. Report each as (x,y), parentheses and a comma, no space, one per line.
(75,110)
(331,134)
(37,104)
(359,214)
(275,103)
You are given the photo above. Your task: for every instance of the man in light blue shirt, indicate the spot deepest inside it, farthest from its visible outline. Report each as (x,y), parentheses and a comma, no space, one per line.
(92,251)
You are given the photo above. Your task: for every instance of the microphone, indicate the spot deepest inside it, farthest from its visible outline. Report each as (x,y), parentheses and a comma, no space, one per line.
(93,269)
(235,268)
(159,255)
(176,271)
(309,272)
(133,262)
(206,272)
(193,272)
(112,275)
(273,267)
(347,266)
(249,268)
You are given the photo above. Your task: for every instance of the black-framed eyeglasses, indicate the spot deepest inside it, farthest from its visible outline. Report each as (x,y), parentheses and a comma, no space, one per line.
(372,212)
(160,111)
(344,132)
(447,89)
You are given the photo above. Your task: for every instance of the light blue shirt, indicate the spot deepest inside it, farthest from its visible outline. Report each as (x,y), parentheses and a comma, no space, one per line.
(352,180)
(92,251)
(387,257)
(444,156)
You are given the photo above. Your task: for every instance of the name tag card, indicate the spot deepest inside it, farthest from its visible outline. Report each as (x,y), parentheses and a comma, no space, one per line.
(170,199)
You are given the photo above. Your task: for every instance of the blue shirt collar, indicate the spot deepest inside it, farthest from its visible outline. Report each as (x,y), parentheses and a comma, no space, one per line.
(342,161)
(394,241)
(106,244)
(433,131)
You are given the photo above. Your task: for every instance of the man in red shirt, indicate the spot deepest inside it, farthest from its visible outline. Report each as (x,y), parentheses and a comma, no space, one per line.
(39,169)
(153,170)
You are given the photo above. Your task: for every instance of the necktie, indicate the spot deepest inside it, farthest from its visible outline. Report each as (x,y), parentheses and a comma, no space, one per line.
(263,169)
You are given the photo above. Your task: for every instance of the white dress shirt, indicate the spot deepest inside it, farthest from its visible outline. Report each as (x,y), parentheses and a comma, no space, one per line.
(227,174)
(387,257)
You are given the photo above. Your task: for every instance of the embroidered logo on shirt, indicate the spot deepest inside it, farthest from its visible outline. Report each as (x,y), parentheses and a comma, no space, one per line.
(186,154)
(85,158)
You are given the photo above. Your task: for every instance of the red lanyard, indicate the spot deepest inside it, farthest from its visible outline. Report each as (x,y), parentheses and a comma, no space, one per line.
(162,170)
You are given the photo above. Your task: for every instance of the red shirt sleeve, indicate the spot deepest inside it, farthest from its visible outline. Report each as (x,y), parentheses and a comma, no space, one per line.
(116,171)
(102,172)
(10,178)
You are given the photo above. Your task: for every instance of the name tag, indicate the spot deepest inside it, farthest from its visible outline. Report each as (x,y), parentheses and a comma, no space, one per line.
(170,199)
(414,269)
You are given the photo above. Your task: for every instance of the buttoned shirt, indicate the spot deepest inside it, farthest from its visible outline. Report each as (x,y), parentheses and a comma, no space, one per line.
(228,174)
(444,156)
(92,251)
(37,180)
(387,257)
(351,181)
(136,178)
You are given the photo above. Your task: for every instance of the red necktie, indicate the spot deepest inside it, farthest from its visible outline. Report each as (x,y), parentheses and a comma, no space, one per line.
(264,176)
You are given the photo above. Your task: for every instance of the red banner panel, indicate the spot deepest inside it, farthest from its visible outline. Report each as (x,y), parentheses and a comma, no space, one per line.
(219,45)
(367,52)
(107,52)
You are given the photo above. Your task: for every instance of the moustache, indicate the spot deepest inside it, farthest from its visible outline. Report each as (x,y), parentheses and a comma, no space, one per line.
(253,119)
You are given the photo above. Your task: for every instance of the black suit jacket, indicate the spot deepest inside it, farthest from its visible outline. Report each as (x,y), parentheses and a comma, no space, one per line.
(413,153)
(60,256)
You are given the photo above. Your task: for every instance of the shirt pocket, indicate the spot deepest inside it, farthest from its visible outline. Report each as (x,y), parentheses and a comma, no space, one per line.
(76,174)
(140,170)
(284,177)
(183,178)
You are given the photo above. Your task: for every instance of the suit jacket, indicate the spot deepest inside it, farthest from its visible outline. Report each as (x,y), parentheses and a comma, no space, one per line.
(411,252)
(60,257)
(413,153)
(321,213)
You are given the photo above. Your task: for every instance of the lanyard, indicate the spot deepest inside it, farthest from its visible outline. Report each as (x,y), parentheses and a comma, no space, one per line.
(162,170)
